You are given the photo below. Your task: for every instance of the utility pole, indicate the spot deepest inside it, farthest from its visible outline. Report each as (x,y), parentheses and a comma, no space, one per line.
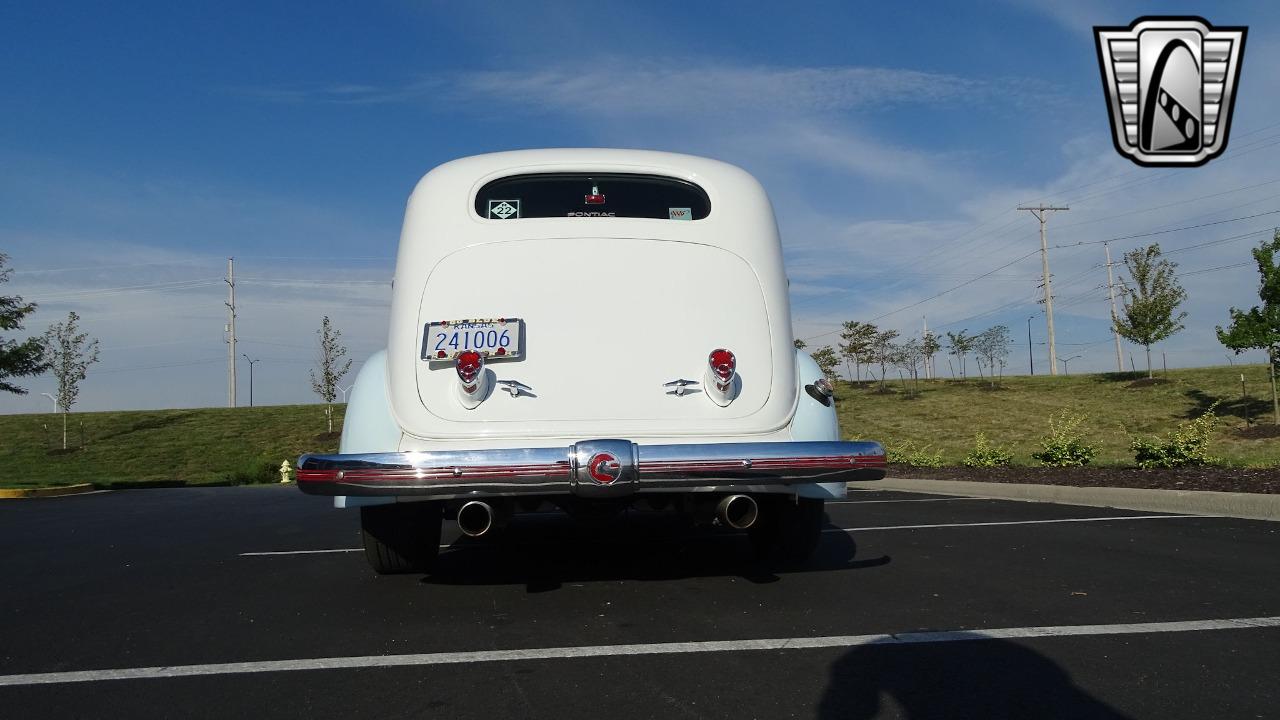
(1041,213)
(1111,291)
(928,360)
(251,363)
(231,332)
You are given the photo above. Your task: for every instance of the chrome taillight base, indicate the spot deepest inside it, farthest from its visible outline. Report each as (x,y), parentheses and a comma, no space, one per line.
(720,380)
(474,382)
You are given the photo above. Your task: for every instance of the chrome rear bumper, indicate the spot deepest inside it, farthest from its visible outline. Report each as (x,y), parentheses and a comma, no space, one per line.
(591,468)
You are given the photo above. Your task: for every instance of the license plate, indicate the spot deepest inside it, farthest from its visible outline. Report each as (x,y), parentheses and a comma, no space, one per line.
(500,338)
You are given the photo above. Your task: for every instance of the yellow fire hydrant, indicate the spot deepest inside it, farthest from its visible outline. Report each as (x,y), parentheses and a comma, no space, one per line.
(285,469)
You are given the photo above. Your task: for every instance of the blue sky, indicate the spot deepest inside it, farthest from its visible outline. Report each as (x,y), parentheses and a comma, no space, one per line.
(141,145)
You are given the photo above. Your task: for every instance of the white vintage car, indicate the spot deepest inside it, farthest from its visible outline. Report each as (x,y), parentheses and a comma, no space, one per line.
(592,329)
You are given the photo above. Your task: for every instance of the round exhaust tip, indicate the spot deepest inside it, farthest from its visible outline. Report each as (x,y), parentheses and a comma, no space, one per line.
(738,511)
(475,518)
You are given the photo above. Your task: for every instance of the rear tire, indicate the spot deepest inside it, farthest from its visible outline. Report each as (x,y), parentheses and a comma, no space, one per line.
(401,538)
(788,531)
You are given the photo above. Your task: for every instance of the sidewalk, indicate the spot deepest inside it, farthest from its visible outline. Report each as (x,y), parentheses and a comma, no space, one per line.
(1252,506)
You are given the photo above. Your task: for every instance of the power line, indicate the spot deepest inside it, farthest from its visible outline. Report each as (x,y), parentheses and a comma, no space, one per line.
(951,250)
(935,296)
(1214,269)
(1166,231)
(1218,241)
(1178,203)
(301,281)
(1074,245)
(171,263)
(154,287)
(157,367)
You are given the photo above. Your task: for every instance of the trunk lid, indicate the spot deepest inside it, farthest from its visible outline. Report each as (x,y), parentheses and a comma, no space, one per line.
(607,321)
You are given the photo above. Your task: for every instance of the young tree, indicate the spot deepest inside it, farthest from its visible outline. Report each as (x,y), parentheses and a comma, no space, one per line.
(959,344)
(1259,328)
(332,366)
(17,359)
(859,339)
(908,356)
(884,353)
(930,346)
(70,353)
(827,361)
(1149,305)
(992,345)
(800,344)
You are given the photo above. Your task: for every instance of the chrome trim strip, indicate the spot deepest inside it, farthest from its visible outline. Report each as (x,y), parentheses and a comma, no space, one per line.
(549,471)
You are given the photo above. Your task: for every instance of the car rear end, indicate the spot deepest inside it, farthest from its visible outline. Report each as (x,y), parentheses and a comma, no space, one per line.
(591,327)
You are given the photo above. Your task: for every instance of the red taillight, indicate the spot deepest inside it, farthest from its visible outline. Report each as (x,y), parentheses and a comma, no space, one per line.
(723,364)
(469,365)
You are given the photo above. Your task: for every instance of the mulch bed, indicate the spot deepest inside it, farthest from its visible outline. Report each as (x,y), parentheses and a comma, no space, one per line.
(1254,480)
(1259,432)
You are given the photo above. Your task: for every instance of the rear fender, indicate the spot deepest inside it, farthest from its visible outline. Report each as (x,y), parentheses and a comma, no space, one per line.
(369,426)
(814,421)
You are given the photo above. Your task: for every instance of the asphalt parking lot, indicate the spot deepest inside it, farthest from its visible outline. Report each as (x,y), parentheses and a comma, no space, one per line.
(250,602)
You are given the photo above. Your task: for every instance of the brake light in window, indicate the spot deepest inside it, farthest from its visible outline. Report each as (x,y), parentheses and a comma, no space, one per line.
(595,198)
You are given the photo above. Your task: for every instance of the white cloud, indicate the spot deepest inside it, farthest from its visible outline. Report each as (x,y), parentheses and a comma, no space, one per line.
(618,88)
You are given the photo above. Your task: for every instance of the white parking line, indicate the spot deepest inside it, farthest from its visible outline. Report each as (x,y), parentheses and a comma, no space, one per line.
(300,552)
(1018,522)
(676,648)
(828,530)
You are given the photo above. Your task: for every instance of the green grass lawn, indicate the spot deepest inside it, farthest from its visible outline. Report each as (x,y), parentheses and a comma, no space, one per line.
(945,414)
(241,445)
(156,447)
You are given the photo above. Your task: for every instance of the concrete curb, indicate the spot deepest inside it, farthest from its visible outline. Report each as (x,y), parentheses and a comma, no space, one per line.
(1251,506)
(17,493)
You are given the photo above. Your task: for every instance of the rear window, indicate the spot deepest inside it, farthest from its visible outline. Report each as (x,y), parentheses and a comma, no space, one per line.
(601,195)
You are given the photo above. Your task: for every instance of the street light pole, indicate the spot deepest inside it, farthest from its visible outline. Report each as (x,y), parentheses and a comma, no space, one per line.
(1064,362)
(54,400)
(251,363)
(1031,358)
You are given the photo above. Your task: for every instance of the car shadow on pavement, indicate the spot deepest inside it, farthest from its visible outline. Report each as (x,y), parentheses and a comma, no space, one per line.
(959,678)
(550,552)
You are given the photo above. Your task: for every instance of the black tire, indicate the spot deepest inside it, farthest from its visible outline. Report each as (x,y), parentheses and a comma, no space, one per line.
(401,538)
(788,531)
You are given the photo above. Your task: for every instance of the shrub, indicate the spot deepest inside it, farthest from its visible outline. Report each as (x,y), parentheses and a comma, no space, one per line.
(1065,446)
(1188,445)
(906,453)
(985,455)
(252,472)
